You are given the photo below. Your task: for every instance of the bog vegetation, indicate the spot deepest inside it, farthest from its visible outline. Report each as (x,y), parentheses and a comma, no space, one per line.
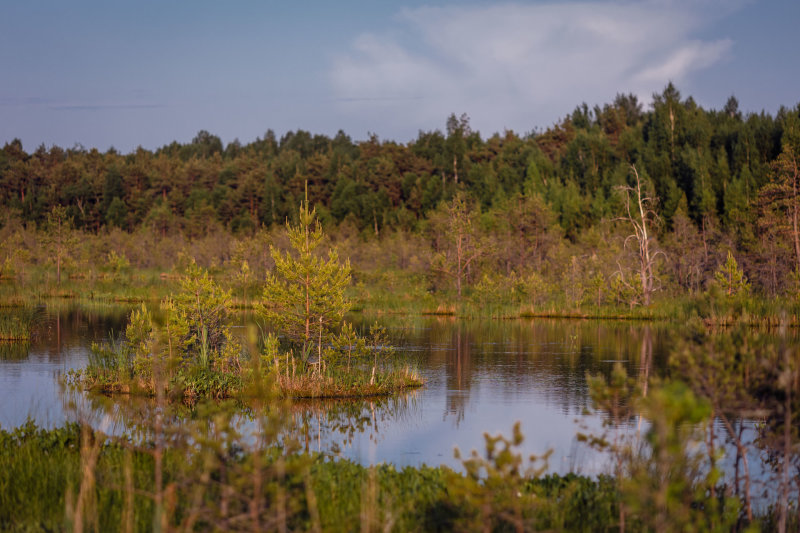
(673,212)
(304,342)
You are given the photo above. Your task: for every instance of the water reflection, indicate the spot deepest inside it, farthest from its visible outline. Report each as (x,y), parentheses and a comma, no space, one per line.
(29,372)
(481,375)
(14,350)
(325,426)
(459,375)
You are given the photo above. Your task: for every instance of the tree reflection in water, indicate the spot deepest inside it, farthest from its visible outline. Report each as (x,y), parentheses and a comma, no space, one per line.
(325,426)
(459,375)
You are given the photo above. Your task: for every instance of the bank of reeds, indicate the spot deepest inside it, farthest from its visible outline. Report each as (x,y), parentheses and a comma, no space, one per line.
(408,295)
(17,323)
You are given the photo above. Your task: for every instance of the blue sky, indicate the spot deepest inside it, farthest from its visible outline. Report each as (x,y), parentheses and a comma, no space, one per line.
(128,74)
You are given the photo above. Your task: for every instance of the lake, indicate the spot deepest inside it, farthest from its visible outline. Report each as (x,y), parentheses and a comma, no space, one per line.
(481,376)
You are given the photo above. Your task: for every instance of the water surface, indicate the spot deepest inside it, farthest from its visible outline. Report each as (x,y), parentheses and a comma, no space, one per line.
(481,376)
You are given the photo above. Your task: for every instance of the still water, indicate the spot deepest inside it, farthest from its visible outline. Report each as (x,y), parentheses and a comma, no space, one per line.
(481,376)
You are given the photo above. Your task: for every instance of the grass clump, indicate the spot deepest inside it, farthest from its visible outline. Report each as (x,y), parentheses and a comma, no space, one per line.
(192,353)
(17,323)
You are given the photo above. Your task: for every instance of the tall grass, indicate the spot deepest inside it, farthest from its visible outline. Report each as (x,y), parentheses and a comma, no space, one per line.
(202,474)
(337,382)
(77,479)
(17,323)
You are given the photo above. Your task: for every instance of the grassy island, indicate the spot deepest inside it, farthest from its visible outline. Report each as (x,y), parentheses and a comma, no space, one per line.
(304,344)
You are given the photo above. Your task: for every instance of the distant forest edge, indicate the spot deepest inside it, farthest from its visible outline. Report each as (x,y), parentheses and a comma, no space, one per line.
(546,208)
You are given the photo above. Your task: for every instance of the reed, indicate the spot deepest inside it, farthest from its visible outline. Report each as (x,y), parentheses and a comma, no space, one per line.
(191,475)
(338,383)
(17,323)
(78,479)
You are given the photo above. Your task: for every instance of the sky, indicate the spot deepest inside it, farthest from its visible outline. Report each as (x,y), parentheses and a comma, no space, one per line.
(106,73)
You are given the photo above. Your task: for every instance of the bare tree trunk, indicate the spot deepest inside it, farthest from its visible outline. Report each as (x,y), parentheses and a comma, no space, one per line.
(641,234)
(459,263)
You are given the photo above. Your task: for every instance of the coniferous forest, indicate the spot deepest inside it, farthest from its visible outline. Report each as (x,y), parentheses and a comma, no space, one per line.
(551,215)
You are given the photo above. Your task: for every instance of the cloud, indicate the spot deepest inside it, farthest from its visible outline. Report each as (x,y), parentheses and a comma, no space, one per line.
(686,59)
(522,66)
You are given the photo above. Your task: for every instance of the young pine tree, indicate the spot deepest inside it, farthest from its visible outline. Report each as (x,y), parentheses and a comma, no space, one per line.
(304,297)
(59,237)
(731,278)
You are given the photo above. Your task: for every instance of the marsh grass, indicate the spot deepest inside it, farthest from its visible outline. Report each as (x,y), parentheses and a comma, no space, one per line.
(17,323)
(204,475)
(14,350)
(391,293)
(353,383)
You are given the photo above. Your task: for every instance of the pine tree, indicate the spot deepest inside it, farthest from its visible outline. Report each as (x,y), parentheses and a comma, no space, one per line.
(59,237)
(199,315)
(463,245)
(731,278)
(304,297)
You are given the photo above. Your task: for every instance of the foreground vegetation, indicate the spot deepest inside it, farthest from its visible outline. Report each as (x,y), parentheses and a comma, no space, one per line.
(75,479)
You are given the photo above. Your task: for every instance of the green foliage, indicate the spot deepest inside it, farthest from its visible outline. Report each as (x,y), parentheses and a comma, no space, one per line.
(123,361)
(304,298)
(141,338)
(110,362)
(17,323)
(663,477)
(731,278)
(660,487)
(208,476)
(463,245)
(616,400)
(59,237)
(596,288)
(198,317)
(492,494)
(117,263)
(193,352)
(724,180)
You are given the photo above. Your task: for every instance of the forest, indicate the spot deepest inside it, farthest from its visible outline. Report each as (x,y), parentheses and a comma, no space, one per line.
(534,218)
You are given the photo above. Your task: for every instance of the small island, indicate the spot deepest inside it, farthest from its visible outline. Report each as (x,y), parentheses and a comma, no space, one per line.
(309,351)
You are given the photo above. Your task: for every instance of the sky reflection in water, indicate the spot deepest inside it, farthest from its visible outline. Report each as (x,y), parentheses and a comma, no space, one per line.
(481,376)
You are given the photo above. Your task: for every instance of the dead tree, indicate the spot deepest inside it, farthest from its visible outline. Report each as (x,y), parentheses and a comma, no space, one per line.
(640,214)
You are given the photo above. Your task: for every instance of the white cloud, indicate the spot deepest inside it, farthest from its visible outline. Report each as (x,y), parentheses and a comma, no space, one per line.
(679,63)
(520,66)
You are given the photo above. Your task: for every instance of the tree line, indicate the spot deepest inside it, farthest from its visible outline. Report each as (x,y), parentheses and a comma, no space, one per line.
(718,181)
